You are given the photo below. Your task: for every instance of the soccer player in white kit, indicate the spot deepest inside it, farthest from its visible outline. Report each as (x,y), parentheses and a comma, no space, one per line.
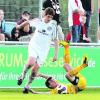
(39,45)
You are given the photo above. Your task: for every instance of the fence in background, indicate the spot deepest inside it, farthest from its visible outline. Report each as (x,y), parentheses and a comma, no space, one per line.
(14,8)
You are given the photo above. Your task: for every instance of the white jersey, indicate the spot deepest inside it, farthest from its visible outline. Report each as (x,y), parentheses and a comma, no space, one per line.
(40,43)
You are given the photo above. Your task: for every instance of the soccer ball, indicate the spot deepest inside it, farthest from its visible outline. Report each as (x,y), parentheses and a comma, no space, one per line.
(61,89)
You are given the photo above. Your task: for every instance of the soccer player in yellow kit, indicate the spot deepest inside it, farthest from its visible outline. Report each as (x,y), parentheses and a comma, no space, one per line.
(59,88)
(73,75)
(78,82)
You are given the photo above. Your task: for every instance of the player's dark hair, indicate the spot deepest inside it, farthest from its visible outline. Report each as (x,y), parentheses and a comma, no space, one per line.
(47,83)
(49,11)
(26,13)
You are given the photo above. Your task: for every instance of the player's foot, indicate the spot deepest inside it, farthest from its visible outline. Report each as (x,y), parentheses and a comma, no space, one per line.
(20,80)
(85,61)
(25,90)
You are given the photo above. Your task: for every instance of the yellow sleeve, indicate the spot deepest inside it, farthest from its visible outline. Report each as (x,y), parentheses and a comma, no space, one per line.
(53,91)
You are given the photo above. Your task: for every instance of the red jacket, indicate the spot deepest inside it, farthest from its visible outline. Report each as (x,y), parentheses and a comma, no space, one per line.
(76,18)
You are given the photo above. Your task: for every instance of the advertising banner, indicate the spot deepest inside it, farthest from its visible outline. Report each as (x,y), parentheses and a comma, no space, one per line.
(13,58)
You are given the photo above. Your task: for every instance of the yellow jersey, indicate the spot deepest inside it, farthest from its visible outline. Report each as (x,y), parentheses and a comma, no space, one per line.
(70,88)
(64,89)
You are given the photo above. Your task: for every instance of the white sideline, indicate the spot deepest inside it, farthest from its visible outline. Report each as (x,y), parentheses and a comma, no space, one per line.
(26,43)
(42,87)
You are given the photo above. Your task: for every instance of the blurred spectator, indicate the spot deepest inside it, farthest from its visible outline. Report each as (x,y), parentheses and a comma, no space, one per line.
(89,8)
(83,37)
(55,5)
(98,34)
(3,35)
(99,13)
(75,11)
(2,26)
(22,28)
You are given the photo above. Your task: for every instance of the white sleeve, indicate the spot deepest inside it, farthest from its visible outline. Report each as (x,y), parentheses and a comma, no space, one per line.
(34,22)
(55,31)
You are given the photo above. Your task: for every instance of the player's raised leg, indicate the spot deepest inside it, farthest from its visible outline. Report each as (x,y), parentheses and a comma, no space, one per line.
(76,70)
(72,74)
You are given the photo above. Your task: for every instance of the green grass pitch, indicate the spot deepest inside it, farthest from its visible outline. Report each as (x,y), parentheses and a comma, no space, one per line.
(16,94)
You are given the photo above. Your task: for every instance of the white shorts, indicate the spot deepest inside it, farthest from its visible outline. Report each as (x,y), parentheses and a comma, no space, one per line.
(40,55)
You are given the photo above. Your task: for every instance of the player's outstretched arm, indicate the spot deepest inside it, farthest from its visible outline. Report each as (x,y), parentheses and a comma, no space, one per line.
(34,92)
(43,76)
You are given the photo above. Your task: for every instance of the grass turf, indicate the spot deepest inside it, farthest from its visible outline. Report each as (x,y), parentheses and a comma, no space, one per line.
(16,94)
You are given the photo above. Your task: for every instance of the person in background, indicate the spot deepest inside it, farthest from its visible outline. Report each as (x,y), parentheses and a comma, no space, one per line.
(22,28)
(83,37)
(56,6)
(88,6)
(75,11)
(98,33)
(2,26)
